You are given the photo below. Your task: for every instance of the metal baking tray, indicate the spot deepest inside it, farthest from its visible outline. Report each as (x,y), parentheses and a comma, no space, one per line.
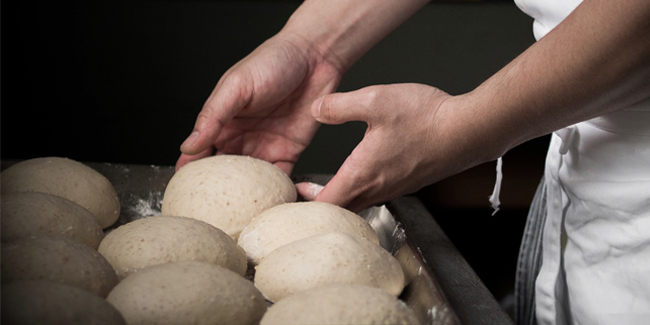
(441,287)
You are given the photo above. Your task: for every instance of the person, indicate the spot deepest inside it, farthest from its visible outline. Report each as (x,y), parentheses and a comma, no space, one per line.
(586,251)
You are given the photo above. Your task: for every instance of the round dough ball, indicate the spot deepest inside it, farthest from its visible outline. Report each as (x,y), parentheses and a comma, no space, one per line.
(66,178)
(29,214)
(45,302)
(226,191)
(289,222)
(326,259)
(189,292)
(163,239)
(340,304)
(57,259)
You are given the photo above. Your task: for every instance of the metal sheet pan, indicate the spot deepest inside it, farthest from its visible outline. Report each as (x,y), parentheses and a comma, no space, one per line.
(441,288)
(141,189)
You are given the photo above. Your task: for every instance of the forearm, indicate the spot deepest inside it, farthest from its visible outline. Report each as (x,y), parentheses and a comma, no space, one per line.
(341,31)
(595,62)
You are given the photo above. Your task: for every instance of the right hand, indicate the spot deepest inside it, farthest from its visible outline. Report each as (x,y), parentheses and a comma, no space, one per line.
(261,106)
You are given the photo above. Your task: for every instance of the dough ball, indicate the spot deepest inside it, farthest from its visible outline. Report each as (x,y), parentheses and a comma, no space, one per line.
(57,259)
(29,214)
(189,292)
(226,191)
(44,302)
(327,259)
(163,239)
(66,178)
(340,304)
(289,222)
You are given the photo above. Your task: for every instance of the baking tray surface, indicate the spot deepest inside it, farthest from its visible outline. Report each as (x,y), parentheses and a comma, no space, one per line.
(141,189)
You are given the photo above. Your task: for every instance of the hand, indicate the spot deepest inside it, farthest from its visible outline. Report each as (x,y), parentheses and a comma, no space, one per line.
(260,107)
(418,135)
(411,141)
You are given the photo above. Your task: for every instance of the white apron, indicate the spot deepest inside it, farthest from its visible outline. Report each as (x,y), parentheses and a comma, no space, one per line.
(596,240)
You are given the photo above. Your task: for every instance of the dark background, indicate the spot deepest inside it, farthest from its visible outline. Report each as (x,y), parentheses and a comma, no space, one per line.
(123,81)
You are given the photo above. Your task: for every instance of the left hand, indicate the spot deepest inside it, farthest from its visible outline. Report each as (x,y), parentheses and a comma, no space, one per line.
(260,106)
(410,142)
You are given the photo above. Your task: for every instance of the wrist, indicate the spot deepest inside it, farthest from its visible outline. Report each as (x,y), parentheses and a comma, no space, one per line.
(315,52)
(320,40)
(475,128)
(341,31)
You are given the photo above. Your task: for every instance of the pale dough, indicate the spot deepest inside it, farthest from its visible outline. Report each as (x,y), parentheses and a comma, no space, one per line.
(57,259)
(163,239)
(340,304)
(67,178)
(45,302)
(289,222)
(188,292)
(326,259)
(226,191)
(28,214)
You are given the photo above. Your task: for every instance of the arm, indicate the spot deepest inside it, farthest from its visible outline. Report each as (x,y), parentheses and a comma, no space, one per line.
(260,107)
(596,61)
(343,30)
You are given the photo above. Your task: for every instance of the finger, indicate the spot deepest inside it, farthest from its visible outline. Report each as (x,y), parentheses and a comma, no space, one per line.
(308,190)
(185,159)
(224,103)
(352,195)
(348,183)
(285,166)
(333,192)
(357,182)
(361,203)
(339,108)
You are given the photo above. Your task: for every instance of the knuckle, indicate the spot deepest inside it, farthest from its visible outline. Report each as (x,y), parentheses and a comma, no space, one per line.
(235,78)
(204,117)
(372,96)
(325,109)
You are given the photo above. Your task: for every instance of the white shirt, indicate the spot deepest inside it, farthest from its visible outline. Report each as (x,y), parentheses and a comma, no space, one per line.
(596,241)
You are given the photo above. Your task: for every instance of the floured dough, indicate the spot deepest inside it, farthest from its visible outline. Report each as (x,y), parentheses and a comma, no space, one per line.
(327,259)
(57,259)
(67,178)
(163,239)
(226,191)
(340,304)
(188,292)
(289,222)
(28,214)
(45,302)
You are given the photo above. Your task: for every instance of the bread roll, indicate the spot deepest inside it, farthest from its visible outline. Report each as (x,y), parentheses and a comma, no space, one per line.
(327,259)
(29,214)
(66,178)
(188,292)
(163,239)
(226,191)
(45,302)
(57,259)
(340,304)
(289,222)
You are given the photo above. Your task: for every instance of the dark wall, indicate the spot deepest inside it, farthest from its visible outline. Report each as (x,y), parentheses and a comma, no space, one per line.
(123,81)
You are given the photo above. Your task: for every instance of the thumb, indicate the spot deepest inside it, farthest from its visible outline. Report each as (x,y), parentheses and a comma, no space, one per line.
(338,191)
(338,108)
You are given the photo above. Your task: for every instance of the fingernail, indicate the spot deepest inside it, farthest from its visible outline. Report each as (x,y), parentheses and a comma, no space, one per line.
(190,140)
(315,111)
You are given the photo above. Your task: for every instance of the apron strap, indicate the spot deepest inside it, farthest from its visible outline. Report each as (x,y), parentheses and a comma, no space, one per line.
(530,259)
